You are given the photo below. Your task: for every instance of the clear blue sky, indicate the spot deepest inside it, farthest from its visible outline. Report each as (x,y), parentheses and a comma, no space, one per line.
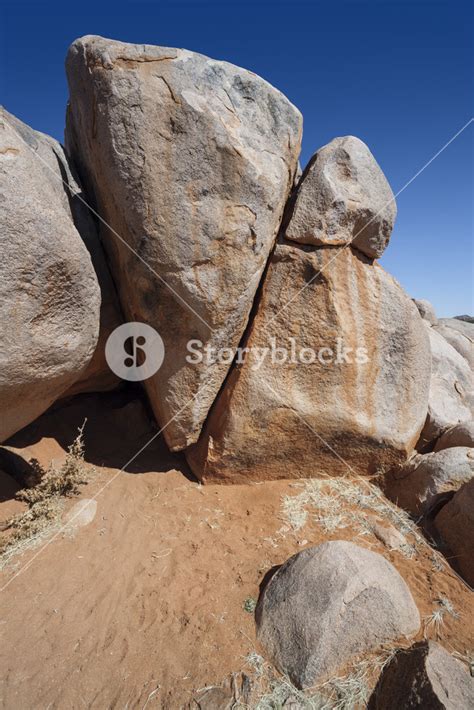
(396,74)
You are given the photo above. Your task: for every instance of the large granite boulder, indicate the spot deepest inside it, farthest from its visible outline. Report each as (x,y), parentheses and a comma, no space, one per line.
(428,480)
(49,293)
(328,604)
(451,391)
(424,677)
(191,161)
(455,524)
(352,391)
(343,198)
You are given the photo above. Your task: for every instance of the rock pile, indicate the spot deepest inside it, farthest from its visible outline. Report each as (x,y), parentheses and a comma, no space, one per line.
(289,351)
(189,162)
(435,486)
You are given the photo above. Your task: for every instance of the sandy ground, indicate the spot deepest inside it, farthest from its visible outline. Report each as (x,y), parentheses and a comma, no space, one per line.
(145,606)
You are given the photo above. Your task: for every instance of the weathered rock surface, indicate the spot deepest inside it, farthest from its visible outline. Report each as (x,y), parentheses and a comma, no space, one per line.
(191,161)
(463,324)
(462,339)
(49,295)
(286,419)
(451,391)
(330,603)
(428,479)
(98,377)
(459,435)
(426,677)
(466,318)
(392,538)
(343,198)
(426,310)
(455,524)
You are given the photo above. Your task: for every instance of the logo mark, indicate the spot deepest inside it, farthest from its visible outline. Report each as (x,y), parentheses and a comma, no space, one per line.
(134,351)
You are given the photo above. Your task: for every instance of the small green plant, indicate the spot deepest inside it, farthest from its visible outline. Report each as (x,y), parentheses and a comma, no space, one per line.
(44,500)
(249,605)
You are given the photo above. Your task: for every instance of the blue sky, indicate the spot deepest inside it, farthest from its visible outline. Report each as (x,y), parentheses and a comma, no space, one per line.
(396,74)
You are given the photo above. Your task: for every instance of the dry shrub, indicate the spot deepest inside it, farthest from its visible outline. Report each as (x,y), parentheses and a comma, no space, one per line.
(44,500)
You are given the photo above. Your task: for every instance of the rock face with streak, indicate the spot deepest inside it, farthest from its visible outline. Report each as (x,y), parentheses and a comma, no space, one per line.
(343,198)
(191,161)
(49,294)
(451,394)
(306,419)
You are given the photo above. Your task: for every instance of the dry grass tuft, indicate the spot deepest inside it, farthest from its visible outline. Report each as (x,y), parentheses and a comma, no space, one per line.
(337,503)
(44,501)
(350,691)
(436,619)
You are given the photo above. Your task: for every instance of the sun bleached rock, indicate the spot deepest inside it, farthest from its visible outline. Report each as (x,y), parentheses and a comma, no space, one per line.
(190,161)
(426,310)
(461,338)
(343,197)
(451,391)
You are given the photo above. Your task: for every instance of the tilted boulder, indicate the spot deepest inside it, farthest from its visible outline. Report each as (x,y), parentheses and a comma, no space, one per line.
(307,416)
(426,310)
(191,161)
(429,479)
(459,435)
(451,391)
(424,677)
(49,294)
(329,604)
(343,198)
(455,524)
